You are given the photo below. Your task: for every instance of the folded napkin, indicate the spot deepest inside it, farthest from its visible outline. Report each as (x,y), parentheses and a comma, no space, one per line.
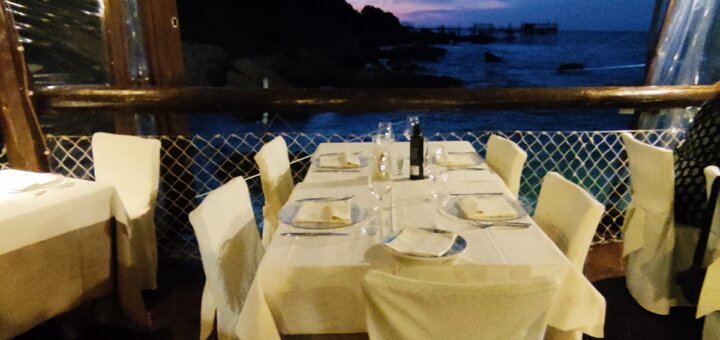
(485,208)
(340,160)
(457,159)
(24,181)
(422,243)
(336,213)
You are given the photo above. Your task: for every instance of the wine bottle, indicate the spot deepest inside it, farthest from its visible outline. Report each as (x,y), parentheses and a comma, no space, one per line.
(416,153)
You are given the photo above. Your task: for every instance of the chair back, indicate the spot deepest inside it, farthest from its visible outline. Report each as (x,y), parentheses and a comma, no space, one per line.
(131,164)
(507,160)
(652,171)
(229,242)
(569,215)
(712,173)
(277,184)
(406,308)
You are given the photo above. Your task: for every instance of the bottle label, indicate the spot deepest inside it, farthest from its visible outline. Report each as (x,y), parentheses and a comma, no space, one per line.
(414,170)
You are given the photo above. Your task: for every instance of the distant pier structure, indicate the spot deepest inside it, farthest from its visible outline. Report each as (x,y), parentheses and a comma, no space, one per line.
(538,28)
(525,28)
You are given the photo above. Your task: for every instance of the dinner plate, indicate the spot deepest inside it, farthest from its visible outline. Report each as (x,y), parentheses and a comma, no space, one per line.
(315,162)
(457,248)
(451,209)
(288,212)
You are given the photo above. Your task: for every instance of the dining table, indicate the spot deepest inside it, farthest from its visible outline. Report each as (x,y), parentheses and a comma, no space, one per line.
(63,242)
(313,284)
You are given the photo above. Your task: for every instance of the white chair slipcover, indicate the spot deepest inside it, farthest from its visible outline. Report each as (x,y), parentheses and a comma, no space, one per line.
(405,308)
(132,165)
(507,160)
(277,183)
(709,303)
(649,228)
(230,248)
(569,215)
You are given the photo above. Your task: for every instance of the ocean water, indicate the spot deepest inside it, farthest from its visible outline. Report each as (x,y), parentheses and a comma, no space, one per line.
(610,58)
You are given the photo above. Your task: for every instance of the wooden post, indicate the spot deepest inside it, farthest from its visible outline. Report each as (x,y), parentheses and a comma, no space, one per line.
(117,57)
(23,137)
(163,47)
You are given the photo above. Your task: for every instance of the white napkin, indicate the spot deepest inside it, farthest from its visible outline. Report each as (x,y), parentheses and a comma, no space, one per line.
(457,159)
(485,208)
(326,212)
(340,160)
(25,181)
(422,243)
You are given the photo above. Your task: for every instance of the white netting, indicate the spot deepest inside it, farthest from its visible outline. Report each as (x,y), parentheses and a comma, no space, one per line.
(192,166)
(3,158)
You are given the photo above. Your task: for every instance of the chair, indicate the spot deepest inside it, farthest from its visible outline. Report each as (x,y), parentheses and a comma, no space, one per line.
(230,249)
(569,215)
(709,304)
(132,165)
(406,308)
(649,228)
(507,160)
(277,183)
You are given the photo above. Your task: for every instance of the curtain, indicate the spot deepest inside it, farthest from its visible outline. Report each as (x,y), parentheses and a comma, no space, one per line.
(688,53)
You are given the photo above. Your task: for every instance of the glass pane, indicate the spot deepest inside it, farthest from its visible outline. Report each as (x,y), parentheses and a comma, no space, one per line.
(63,40)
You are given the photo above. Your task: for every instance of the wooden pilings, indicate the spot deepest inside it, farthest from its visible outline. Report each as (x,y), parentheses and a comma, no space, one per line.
(23,137)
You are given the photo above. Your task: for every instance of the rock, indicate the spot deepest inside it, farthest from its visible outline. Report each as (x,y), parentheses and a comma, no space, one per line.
(205,64)
(492,58)
(563,68)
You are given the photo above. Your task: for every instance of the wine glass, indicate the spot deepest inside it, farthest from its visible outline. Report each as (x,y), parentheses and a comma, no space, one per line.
(385,132)
(409,123)
(379,183)
(435,172)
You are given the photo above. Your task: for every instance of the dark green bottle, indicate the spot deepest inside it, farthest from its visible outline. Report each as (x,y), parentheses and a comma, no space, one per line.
(416,153)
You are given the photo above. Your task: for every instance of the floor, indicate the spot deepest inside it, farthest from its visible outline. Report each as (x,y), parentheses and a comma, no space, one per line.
(175,307)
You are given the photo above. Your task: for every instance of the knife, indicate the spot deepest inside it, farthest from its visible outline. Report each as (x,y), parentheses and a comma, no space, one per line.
(312,234)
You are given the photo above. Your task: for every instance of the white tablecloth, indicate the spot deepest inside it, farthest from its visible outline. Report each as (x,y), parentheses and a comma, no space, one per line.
(311,285)
(64,233)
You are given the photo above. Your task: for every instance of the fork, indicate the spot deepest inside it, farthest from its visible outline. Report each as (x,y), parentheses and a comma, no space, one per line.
(326,198)
(484,225)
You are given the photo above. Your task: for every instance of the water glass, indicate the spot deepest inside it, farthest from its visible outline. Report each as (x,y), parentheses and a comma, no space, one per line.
(379,183)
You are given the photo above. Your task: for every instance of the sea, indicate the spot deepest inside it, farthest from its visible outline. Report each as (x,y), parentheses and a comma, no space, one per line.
(609,59)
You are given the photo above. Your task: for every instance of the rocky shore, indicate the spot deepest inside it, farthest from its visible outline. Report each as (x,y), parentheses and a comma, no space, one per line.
(314,43)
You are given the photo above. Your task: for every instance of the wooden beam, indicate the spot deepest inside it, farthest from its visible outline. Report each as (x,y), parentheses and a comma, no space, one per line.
(117,56)
(163,47)
(23,136)
(212,100)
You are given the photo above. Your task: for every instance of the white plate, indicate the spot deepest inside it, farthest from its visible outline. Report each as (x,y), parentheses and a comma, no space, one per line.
(288,212)
(315,161)
(457,248)
(451,209)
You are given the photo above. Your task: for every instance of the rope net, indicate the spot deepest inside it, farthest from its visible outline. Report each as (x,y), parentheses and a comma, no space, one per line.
(192,166)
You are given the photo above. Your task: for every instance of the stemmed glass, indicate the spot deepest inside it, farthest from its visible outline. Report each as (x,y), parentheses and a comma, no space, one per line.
(409,123)
(379,183)
(385,133)
(436,173)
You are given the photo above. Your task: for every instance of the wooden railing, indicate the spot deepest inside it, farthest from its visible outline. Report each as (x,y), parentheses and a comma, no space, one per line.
(23,143)
(189,99)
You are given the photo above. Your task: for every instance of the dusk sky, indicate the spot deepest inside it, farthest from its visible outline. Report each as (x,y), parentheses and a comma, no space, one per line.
(606,15)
